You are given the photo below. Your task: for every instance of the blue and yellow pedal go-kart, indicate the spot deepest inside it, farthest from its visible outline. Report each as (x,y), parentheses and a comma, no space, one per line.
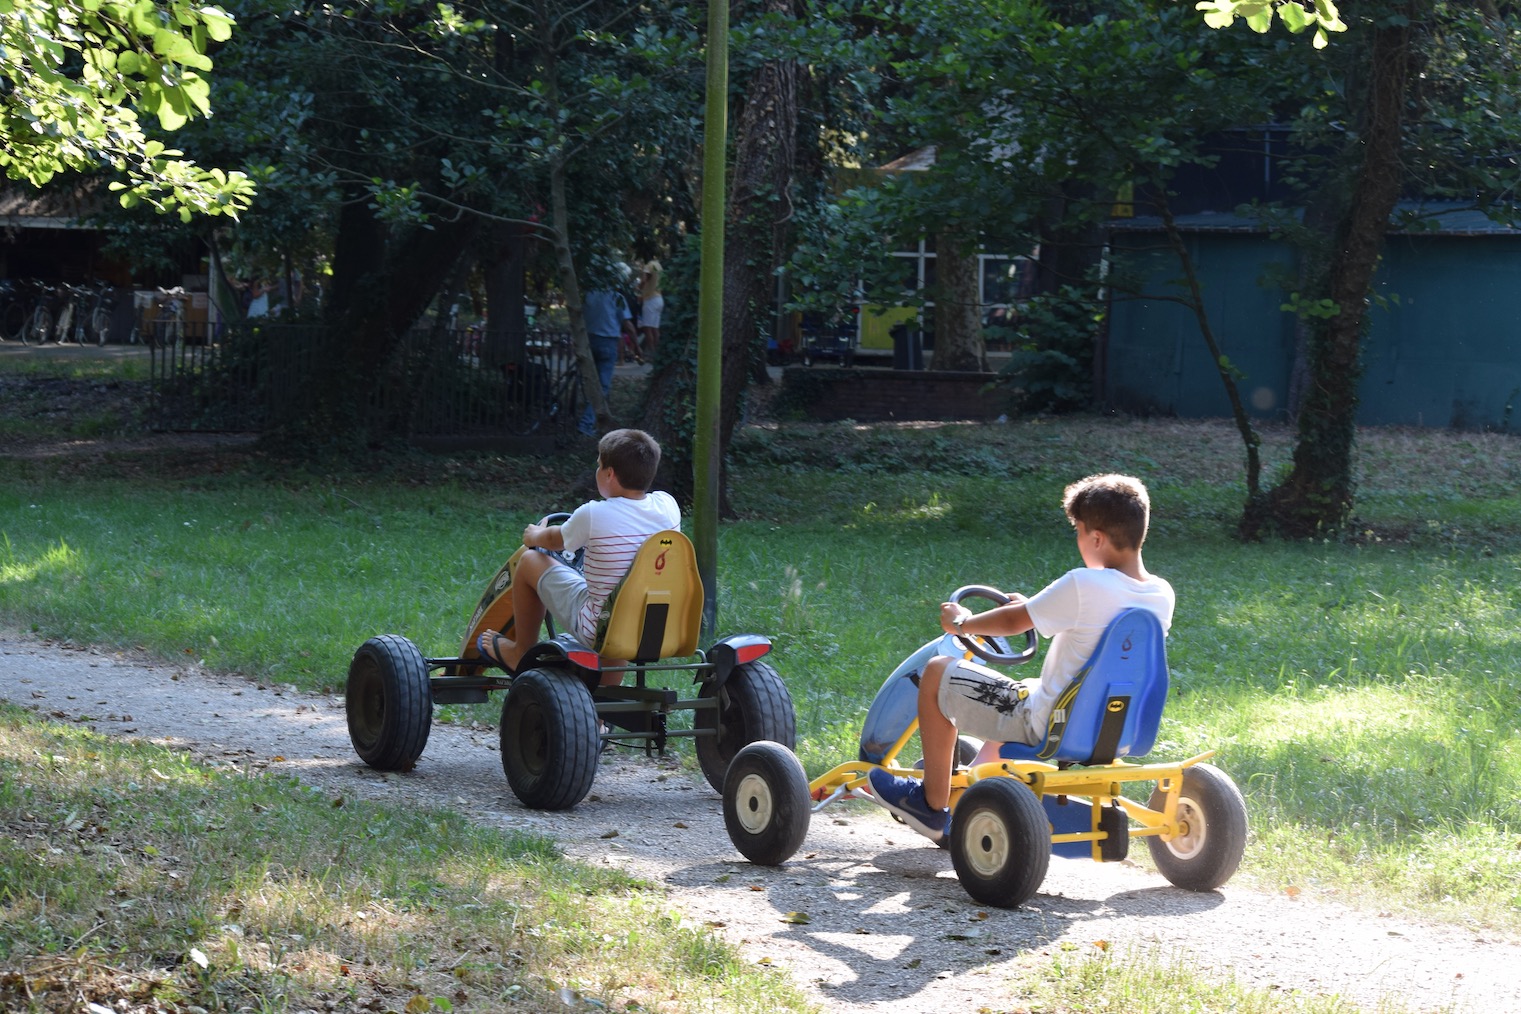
(1013,806)
(559,711)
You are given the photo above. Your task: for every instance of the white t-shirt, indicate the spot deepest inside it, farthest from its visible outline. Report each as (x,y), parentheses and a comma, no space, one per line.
(1072,612)
(612,531)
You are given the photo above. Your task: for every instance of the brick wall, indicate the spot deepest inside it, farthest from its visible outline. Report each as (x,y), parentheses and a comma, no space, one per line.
(828,393)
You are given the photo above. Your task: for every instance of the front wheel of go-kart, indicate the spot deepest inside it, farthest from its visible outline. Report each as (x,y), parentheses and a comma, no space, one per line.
(549,739)
(1000,842)
(1213,838)
(766,803)
(389,703)
(752,705)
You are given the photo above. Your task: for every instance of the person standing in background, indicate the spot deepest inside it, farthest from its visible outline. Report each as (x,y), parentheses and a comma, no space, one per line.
(607,318)
(651,303)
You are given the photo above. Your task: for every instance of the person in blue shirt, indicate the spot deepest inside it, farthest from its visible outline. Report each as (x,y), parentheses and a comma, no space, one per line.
(607,319)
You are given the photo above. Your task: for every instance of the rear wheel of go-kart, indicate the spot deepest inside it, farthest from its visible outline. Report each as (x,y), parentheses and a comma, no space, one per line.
(549,739)
(766,803)
(1000,842)
(389,703)
(1213,816)
(753,705)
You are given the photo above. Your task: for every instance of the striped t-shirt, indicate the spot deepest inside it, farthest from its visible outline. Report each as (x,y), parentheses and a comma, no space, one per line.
(612,531)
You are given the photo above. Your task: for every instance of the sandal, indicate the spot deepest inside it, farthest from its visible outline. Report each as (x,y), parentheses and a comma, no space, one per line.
(486,645)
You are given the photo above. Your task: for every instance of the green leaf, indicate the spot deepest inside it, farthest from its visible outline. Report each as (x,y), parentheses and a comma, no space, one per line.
(218,23)
(1295,18)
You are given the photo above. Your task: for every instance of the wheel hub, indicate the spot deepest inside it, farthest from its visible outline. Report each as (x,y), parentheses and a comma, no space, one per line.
(754,805)
(1189,840)
(988,844)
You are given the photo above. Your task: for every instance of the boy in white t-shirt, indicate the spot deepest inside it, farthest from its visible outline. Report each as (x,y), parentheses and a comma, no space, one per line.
(611,530)
(1111,514)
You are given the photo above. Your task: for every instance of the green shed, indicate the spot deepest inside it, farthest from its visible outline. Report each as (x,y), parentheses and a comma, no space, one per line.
(1444,343)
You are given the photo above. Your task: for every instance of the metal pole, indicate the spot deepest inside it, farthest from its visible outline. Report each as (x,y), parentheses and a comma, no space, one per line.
(710,306)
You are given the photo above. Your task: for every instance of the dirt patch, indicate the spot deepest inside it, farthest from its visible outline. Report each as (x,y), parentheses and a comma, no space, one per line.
(884,924)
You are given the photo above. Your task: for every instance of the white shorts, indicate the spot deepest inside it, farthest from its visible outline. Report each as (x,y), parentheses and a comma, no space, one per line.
(985,704)
(649,312)
(562,589)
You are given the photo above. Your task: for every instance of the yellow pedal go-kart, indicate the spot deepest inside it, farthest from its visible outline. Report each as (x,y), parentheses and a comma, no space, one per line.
(1014,806)
(558,715)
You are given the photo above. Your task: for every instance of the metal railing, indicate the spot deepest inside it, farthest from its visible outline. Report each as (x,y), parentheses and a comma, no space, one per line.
(438,384)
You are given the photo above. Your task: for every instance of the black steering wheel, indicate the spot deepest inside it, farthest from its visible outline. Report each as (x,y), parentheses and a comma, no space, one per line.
(572,560)
(991,649)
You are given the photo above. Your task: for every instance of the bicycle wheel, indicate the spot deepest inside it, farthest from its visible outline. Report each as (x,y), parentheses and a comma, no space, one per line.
(564,407)
(100,325)
(12,320)
(65,326)
(38,326)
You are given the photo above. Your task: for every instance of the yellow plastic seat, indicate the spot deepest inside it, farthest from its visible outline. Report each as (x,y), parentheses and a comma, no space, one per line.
(656,610)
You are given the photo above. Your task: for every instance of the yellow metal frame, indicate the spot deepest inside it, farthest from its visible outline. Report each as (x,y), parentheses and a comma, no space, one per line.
(1098,786)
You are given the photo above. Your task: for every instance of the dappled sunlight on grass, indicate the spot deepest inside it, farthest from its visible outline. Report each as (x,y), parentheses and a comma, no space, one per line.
(1360,689)
(933,509)
(49,562)
(279,889)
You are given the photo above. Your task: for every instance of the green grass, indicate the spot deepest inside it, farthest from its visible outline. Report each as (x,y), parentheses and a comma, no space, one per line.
(1360,689)
(128,871)
(1091,979)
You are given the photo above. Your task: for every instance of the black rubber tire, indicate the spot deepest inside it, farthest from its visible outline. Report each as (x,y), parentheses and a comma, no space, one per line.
(1000,842)
(550,739)
(39,326)
(100,326)
(753,705)
(1207,854)
(766,803)
(389,703)
(13,318)
(966,752)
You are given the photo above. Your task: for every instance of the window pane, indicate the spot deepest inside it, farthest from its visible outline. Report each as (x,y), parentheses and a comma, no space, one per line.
(1001,277)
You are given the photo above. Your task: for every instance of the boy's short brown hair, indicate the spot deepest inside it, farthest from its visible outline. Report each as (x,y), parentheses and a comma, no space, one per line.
(633,455)
(1117,505)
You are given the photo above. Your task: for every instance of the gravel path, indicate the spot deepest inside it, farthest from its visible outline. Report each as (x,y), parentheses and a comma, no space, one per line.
(885,924)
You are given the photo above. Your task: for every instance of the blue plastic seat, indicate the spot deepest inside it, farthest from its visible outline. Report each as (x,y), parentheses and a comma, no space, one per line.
(1114,705)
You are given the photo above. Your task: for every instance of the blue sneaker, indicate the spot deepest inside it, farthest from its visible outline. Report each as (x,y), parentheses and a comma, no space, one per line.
(905,797)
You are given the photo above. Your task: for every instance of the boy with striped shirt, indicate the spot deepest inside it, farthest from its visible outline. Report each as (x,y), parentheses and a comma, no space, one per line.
(611,530)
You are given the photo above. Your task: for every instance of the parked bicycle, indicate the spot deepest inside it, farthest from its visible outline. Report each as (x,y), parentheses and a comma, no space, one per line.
(42,318)
(67,312)
(14,308)
(166,328)
(95,324)
(543,386)
(37,312)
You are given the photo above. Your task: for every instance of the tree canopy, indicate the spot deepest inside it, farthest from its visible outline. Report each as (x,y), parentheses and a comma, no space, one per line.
(1320,18)
(79,78)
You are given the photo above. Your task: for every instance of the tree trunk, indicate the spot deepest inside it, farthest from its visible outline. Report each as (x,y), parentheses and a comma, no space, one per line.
(958,311)
(559,211)
(759,210)
(383,279)
(1317,494)
(755,232)
(1228,374)
(502,268)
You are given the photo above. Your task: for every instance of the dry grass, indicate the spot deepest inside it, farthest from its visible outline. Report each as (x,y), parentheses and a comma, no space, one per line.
(1186,452)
